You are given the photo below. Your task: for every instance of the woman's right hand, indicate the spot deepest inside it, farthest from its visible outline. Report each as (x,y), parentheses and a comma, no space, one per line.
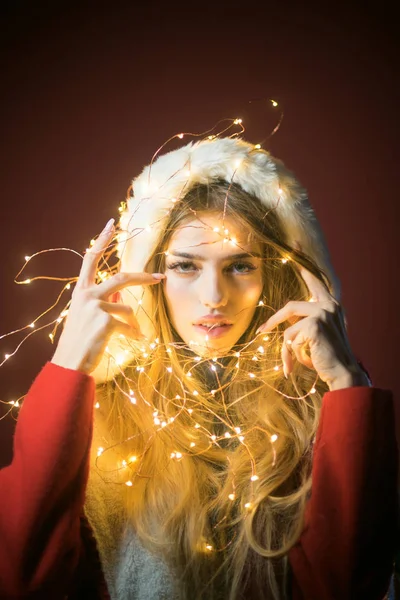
(91,318)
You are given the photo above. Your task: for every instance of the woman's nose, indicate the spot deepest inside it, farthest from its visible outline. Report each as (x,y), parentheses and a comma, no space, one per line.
(213,291)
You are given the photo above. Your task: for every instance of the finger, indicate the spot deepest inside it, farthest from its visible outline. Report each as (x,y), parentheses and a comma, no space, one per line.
(287,359)
(295,346)
(87,275)
(298,309)
(122,310)
(316,287)
(127,330)
(299,347)
(123,280)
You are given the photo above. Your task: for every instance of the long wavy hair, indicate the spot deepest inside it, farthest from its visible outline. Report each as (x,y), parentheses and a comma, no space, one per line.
(223,506)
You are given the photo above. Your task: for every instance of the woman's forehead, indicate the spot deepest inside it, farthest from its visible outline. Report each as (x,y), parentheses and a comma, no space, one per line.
(211,232)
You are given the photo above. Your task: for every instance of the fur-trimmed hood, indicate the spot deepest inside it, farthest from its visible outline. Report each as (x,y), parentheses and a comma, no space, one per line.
(170,177)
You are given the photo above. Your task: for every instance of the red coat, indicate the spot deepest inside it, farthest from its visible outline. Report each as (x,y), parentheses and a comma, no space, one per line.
(47,549)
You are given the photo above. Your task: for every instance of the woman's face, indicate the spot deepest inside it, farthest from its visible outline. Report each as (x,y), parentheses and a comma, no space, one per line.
(210,281)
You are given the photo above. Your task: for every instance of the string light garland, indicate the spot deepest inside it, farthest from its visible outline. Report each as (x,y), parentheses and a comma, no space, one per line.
(186,407)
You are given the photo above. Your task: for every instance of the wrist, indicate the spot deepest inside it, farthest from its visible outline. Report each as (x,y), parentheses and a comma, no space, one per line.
(349,379)
(62,361)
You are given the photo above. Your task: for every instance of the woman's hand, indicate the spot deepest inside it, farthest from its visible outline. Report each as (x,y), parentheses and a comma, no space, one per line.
(322,332)
(92,319)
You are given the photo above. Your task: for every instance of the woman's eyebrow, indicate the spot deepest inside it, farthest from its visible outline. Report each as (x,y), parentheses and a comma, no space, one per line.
(230,257)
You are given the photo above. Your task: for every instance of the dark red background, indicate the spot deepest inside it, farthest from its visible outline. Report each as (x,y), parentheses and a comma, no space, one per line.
(89,92)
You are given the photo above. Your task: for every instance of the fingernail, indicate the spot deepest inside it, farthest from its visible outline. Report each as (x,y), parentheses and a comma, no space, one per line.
(284,371)
(109,226)
(158,275)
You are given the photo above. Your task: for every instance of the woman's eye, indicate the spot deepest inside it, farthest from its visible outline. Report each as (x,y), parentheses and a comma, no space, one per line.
(181,267)
(246,267)
(186,267)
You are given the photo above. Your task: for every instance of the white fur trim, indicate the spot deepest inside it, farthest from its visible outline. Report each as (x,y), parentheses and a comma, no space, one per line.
(173,174)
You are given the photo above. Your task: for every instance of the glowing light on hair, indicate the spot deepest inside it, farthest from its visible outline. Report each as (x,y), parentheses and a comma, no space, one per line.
(162,422)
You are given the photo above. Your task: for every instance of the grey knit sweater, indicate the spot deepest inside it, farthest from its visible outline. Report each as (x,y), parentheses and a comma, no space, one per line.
(131,571)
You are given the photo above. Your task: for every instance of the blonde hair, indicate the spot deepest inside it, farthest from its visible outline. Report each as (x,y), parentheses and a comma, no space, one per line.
(219,528)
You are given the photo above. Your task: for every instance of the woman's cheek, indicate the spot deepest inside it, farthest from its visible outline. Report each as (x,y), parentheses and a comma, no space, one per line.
(175,292)
(252,292)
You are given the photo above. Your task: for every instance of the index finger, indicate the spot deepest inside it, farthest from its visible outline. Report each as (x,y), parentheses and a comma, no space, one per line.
(315,285)
(122,280)
(87,275)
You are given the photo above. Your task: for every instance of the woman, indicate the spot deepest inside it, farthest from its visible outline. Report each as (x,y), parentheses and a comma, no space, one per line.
(239,448)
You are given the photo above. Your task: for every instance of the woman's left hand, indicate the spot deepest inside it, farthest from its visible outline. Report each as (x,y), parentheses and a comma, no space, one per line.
(322,332)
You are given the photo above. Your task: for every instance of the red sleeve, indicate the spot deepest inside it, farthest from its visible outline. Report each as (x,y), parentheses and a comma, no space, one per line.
(42,491)
(347,547)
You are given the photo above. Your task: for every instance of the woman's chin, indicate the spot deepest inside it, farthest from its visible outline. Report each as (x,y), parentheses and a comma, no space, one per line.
(211,350)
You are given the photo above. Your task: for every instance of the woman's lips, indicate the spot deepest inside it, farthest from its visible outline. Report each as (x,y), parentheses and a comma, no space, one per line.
(213,332)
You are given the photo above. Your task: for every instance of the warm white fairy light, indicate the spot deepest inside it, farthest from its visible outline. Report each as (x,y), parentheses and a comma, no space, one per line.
(97,405)
(100,451)
(162,419)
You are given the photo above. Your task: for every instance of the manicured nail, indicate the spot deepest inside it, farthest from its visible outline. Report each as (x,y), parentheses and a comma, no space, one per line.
(285,371)
(158,275)
(109,226)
